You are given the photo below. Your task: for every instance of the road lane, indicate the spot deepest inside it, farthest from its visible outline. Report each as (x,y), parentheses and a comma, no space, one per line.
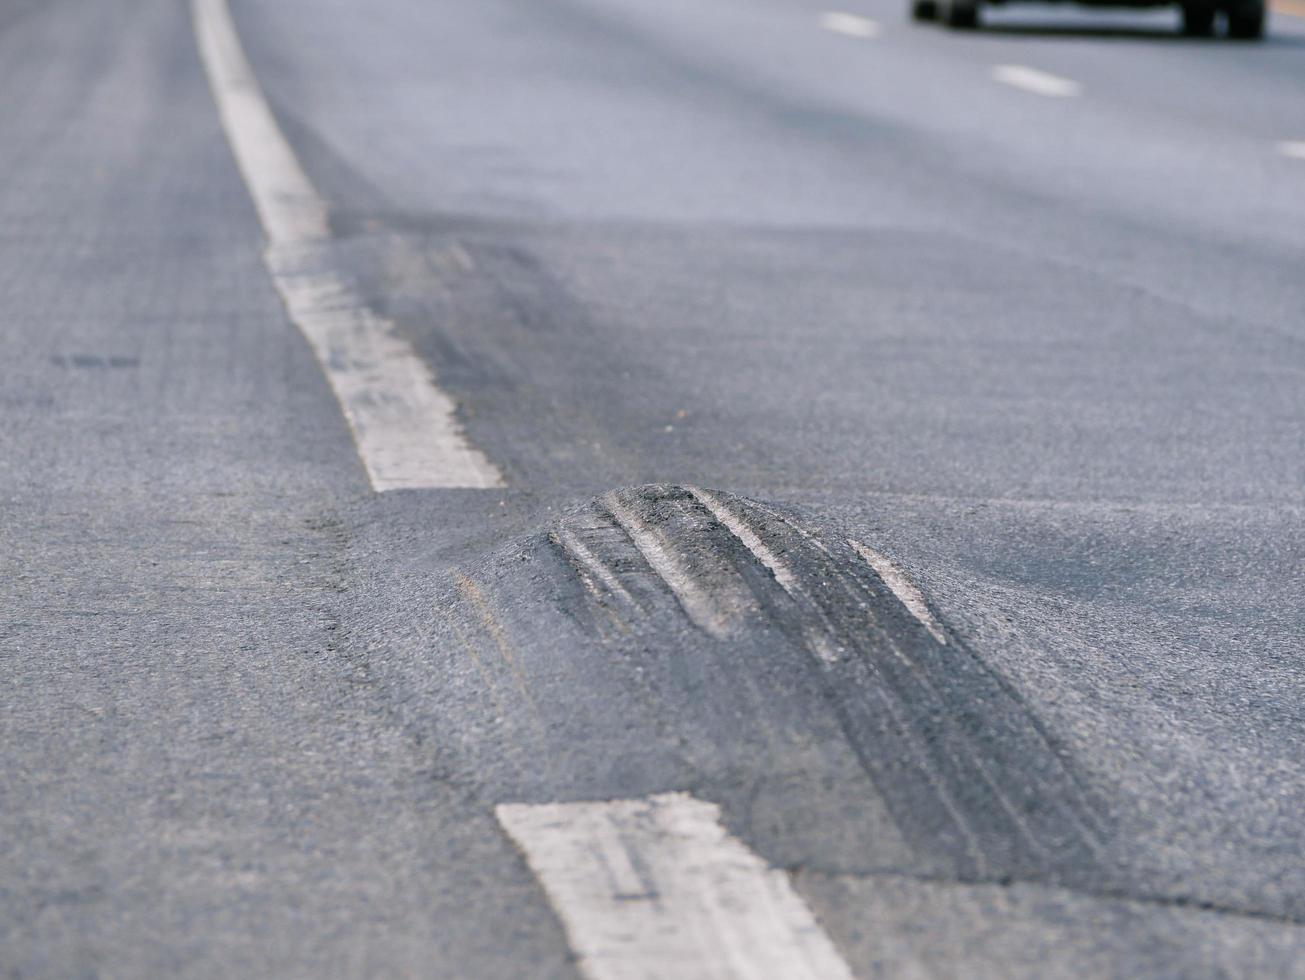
(966,214)
(950,151)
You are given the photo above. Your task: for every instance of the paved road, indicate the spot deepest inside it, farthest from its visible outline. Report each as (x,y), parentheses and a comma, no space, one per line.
(982,658)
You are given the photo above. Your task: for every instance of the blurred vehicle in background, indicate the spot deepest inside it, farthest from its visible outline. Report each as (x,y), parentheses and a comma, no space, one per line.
(1245,19)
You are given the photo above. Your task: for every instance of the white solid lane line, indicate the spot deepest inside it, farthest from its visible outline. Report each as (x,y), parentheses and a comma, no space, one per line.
(1293,148)
(658,888)
(1037,82)
(288,205)
(849,25)
(405,427)
(905,590)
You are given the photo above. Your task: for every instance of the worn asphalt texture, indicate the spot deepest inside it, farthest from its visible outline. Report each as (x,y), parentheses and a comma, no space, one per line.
(1044,354)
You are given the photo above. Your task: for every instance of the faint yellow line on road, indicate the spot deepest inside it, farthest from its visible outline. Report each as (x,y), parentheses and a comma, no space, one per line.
(471,591)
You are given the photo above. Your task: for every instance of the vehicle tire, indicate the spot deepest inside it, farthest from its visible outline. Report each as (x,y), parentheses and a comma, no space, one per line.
(924,10)
(959,13)
(1246,20)
(1198,19)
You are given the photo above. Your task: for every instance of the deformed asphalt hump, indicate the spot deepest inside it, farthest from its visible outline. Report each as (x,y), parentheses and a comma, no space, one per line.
(731,648)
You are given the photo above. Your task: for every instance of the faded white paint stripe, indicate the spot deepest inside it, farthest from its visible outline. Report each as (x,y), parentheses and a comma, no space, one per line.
(1293,148)
(657,888)
(902,587)
(849,25)
(405,427)
(1037,82)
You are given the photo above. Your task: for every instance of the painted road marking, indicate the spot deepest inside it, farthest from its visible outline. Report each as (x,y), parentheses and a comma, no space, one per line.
(658,888)
(905,590)
(1037,82)
(288,206)
(406,428)
(1293,148)
(849,25)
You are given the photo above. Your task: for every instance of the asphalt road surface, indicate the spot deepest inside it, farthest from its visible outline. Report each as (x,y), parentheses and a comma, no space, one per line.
(649,488)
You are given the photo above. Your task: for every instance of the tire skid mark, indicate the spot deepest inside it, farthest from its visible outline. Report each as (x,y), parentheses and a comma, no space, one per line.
(711,597)
(963,764)
(583,545)
(846,571)
(748,537)
(910,669)
(902,587)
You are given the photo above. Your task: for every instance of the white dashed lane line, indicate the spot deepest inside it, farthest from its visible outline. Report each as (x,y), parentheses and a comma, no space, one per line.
(1292,148)
(1037,82)
(849,25)
(405,427)
(657,887)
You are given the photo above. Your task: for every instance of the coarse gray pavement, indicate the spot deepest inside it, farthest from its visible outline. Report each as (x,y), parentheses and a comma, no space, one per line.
(1045,353)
